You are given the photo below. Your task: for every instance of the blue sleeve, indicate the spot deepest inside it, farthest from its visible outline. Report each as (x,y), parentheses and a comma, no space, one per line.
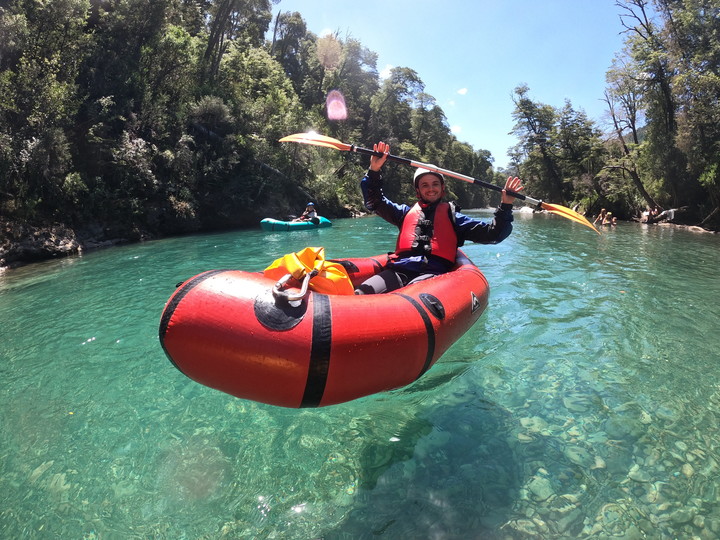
(375,200)
(476,230)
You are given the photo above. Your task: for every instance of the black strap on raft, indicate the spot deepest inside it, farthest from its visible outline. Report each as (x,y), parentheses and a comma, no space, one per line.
(319,352)
(429,332)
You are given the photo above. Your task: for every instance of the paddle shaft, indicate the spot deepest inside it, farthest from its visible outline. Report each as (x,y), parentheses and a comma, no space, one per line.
(329,142)
(434,168)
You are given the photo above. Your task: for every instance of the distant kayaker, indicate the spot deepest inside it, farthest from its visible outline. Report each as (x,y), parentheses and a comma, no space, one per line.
(431,230)
(309,214)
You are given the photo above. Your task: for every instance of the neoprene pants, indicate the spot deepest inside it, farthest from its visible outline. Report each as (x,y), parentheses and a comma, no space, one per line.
(388,280)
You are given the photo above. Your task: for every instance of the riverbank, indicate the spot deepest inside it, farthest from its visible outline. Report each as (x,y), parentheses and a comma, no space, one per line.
(22,244)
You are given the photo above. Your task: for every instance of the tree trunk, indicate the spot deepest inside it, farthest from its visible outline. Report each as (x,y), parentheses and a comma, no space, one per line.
(635,177)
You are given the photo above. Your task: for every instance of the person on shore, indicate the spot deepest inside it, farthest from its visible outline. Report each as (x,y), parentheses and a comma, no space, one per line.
(667,215)
(309,214)
(431,230)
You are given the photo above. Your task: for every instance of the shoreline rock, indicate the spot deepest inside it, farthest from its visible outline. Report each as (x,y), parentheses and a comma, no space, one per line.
(22,244)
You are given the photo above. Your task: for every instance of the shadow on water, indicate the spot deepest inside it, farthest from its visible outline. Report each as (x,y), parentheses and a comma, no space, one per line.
(446,463)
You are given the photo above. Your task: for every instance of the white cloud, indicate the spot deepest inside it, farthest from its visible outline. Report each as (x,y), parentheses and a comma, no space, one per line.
(462,91)
(455,129)
(385,73)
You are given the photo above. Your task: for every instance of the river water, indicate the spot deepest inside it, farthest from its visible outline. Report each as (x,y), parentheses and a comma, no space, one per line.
(585,403)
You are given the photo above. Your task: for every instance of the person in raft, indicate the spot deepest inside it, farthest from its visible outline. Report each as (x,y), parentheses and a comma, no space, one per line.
(309,214)
(431,230)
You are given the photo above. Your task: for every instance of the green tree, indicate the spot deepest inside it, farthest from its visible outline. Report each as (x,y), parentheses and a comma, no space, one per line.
(691,29)
(649,50)
(46,45)
(429,128)
(581,152)
(289,32)
(535,125)
(392,105)
(623,97)
(232,21)
(167,71)
(356,78)
(462,158)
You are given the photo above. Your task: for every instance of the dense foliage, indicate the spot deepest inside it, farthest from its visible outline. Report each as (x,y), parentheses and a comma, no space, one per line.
(162,116)
(662,145)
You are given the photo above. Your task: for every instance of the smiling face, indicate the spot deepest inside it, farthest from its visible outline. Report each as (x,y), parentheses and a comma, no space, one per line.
(430,188)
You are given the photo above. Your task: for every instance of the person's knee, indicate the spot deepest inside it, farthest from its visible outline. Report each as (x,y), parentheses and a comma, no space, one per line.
(371,286)
(421,277)
(385,281)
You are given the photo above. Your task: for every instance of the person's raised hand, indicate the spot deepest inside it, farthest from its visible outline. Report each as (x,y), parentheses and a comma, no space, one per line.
(512,184)
(376,162)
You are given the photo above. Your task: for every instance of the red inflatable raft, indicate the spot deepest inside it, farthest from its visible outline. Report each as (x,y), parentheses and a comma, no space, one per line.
(227,330)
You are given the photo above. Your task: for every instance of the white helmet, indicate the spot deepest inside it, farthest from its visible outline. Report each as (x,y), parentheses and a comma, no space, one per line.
(422,172)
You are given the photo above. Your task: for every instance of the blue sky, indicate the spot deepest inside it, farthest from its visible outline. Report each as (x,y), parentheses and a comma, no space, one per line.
(471,54)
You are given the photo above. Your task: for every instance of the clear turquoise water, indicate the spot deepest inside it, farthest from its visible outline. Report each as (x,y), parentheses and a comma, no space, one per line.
(584,404)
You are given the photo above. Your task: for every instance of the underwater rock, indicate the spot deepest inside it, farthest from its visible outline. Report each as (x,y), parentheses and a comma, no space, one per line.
(579,456)
(541,488)
(639,475)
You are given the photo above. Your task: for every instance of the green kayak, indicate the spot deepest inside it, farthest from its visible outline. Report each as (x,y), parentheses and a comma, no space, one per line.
(269,224)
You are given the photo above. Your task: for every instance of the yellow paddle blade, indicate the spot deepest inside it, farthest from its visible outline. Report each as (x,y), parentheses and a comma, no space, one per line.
(568,213)
(318,140)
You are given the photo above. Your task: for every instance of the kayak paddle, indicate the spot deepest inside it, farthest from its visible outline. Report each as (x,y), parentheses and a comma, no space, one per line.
(321,140)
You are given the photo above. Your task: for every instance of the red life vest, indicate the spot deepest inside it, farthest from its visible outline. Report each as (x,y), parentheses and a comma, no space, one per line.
(414,235)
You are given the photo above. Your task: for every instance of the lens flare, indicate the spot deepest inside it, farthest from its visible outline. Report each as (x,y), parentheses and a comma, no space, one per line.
(335,104)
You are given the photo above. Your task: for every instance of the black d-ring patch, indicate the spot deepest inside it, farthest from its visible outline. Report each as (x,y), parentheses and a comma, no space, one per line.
(433,305)
(277,315)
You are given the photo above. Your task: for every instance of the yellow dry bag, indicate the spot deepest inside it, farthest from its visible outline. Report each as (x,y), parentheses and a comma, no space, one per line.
(331,277)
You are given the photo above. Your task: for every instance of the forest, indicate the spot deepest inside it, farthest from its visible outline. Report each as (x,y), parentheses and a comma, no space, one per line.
(148,118)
